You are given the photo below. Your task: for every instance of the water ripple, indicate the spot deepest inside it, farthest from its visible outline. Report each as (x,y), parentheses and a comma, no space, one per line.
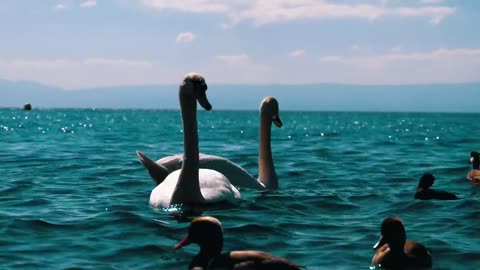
(74,196)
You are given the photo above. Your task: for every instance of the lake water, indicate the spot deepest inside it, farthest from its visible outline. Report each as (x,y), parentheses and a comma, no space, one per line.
(74,195)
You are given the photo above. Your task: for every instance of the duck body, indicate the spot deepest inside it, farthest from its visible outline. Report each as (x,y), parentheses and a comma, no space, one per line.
(414,255)
(250,259)
(474,174)
(433,194)
(424,192)
(214,186)
(394,251)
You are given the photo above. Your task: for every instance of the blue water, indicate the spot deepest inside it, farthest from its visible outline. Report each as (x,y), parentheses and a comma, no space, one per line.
(73,194)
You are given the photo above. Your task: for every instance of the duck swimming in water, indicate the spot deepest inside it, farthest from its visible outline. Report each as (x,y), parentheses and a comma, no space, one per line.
(208,234)
(394,251)
(474,174)
(424,192)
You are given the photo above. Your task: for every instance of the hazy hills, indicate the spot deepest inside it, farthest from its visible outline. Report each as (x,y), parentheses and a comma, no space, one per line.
(321,97)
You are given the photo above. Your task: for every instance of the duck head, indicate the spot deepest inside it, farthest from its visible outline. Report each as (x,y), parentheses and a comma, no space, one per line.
(206,232)
(426,181)
(475,160)
(393,234)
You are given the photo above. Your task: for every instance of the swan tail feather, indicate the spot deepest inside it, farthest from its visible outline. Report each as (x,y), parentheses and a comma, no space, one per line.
(157,172)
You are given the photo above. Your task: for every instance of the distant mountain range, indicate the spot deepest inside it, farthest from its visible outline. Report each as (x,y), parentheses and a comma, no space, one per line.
(315,97)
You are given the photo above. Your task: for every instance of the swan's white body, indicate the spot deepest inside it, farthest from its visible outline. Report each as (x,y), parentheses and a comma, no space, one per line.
(214,187)
(238,176)
(190,185)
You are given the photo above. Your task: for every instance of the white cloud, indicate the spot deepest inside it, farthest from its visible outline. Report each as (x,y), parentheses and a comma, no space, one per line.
(59,7)
(331,58)
(396,55)
(58,63)
(88,4)
(445,65)
(185,37)
(433,55)
(116,62)
(75,73)
(396,49)
(271,11)
(429,2)
(297,53)
(437,66)
(356,47)
(195,6)
(436,13)
(233,59)
(239,68)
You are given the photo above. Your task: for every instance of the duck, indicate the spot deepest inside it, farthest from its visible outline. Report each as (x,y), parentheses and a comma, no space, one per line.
(424,192)
(190,185)
(208,234)
(239,177)
(474,174)
(394,251)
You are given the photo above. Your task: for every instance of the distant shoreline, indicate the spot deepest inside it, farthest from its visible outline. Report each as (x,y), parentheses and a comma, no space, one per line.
(448,98)
(234,110)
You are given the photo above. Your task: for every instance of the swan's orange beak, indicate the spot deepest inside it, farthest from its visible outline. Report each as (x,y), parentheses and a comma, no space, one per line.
(276,120)
(182,243)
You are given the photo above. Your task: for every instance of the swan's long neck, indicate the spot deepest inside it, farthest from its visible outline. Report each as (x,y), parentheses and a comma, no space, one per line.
(188,186)
(266,169)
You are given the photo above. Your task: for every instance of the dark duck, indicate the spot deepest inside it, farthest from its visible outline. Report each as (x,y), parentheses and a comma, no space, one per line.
(207,233)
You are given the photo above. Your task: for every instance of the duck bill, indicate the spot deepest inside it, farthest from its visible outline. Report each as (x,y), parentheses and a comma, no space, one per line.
(203,101)
(276,120)
(379,243)
(182,243)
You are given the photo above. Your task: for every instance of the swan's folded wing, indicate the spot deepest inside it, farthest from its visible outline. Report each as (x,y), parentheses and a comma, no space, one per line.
(238,176)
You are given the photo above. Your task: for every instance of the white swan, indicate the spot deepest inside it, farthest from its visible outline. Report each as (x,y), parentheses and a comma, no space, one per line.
(239,177)
(191,185)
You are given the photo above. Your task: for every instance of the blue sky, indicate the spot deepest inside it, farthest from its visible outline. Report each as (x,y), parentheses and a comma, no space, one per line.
(87,43)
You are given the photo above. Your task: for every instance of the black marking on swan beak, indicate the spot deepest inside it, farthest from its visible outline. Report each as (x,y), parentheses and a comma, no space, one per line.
(276,120)
(203,100)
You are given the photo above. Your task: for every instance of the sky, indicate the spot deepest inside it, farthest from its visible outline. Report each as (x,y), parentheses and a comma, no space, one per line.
(78,44)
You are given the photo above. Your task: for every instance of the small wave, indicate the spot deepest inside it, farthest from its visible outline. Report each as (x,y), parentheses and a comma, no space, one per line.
(32,202)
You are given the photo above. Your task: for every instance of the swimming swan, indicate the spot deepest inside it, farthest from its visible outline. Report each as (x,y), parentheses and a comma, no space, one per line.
(239,177)
(191,185)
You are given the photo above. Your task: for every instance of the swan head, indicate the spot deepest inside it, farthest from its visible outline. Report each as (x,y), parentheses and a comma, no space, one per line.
(204,231)
(269,107)
(194,85)
(393,234)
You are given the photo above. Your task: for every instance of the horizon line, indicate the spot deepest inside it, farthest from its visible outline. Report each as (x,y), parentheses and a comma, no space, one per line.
(233,110)
(242,84)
